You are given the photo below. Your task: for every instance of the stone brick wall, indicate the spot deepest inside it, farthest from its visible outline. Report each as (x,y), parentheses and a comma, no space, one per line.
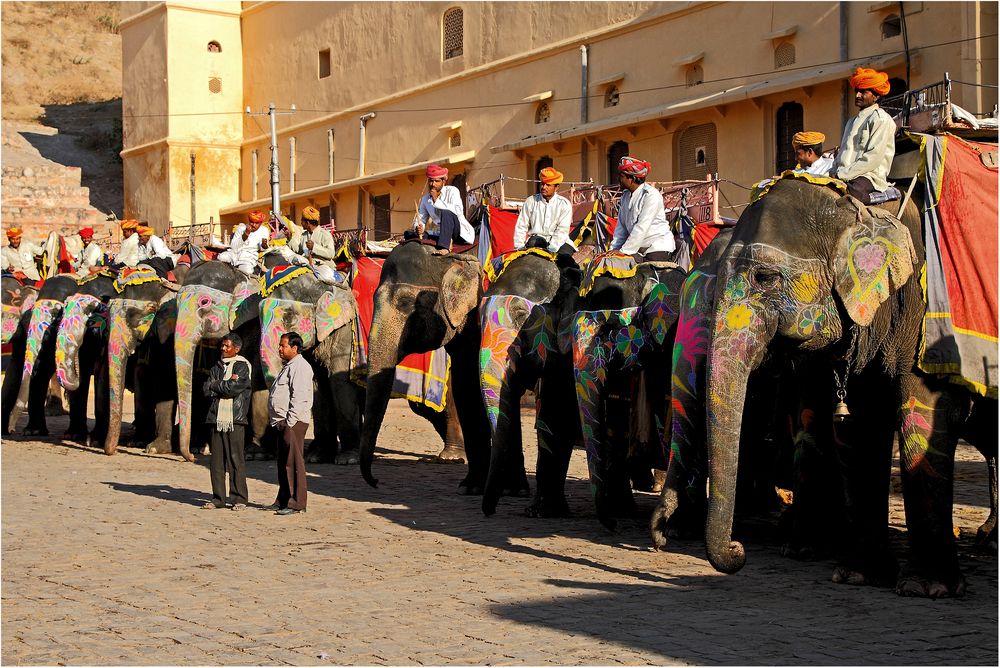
(41,198)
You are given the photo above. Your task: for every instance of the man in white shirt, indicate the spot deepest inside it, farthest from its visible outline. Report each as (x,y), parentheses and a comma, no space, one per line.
(441,214)
(128,254)
(869,144)
(546,217)
(316,246)
(642,229)
(154,253)
(91,255)
(244,247)
(18,258)
(808,147)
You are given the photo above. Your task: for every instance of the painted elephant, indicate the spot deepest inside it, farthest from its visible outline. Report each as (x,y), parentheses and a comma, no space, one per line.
(423,302)
(814,273)
(17,300)
(323,315)
(215,299)
(621,340)
(520,351)
(140,349)
(30,390)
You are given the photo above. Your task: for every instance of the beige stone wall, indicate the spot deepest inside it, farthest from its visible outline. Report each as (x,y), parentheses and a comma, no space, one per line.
(387,57)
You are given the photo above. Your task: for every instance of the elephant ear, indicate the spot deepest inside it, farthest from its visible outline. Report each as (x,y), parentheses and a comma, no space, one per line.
(460,288)
(874,257)
(166,318)
(277,317)
(334,309)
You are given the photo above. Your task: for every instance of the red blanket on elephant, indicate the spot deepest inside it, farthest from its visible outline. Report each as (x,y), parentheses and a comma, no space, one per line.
(420,377)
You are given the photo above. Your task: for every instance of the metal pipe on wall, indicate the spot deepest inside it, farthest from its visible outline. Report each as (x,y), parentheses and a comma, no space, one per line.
(845,95)
(584,106)
(363,147)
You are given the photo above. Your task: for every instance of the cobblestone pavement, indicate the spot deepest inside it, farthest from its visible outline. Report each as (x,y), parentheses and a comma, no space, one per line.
(109,560)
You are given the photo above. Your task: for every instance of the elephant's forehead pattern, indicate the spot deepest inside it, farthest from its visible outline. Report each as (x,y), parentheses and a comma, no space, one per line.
(500,324)
(71,330)
(277,317)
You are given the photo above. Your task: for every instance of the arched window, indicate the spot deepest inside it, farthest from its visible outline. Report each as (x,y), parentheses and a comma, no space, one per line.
(452,33)
(697,152)
(787,122)
(891,26)
(616,152)
(784,55)
(214,47)
(611,96)
(542,113)
(540,164)
(897,86)
(694,75)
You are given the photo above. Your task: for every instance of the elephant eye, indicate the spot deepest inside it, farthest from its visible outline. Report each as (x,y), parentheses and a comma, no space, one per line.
(766,278)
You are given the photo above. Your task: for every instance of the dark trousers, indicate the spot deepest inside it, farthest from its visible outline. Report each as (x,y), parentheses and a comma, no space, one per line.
(227,452)
(449,231)
(292,467)
(861,188)
(160,265)
(655,256)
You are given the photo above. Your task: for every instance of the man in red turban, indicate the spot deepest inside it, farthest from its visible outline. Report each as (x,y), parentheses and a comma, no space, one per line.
(869,142)
(91,255)
(441,213)
(642,230)
(546,217)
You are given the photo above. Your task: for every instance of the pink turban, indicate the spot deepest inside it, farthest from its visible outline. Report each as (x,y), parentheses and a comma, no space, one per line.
(633,166)
(437,172)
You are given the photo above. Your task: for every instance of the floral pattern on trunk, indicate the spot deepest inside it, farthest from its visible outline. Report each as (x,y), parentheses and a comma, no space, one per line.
(501,324)
(72,328)
(42,314)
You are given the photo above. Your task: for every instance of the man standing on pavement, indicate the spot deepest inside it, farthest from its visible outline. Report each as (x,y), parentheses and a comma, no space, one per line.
(290,407)
(546,217)
(869,143)
(642,229)
(228,386)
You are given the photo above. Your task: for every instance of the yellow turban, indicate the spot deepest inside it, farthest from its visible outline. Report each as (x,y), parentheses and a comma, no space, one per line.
(808,139)
(256,216)
(550,176)
(310,213)
(14,232)
(867,78)
(130,224)
(144,230)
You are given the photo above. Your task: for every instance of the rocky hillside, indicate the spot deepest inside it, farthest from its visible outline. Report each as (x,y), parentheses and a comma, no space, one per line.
(61,91)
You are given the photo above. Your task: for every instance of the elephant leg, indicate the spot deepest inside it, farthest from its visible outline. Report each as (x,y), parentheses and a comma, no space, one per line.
(77,430)
(326,419)
(102,400)
(163,420)
(12,381)
(467,396)
(556,436)
(986,535)
(349,400)
(38,391)
(931,421)
(981,431)
(258,426)
(450,430)
(617,411)
(57,403)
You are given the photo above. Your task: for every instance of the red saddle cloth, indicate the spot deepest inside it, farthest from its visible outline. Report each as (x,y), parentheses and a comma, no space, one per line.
(455,248)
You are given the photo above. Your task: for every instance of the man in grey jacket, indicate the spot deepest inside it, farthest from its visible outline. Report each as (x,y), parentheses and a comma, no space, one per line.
(289,408)
(228,386)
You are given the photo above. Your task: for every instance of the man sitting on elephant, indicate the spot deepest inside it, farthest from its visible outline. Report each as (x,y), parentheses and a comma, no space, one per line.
(91,256)
(642,229)
(441,214)
(316,247)
(808,148)
(245,244)
(128,254)
(154,253)
(868,145)
(19,258)
(546,217)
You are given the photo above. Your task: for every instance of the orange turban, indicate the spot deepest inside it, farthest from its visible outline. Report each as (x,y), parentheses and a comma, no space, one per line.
(633,166)
(130,224)
(808,139)
(144,230)
(437,172)
(551,176)
(256,216)
(867,78)
(310,213)
(14,232)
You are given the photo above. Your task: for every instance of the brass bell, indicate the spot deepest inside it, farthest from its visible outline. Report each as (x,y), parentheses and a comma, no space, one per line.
(840,412)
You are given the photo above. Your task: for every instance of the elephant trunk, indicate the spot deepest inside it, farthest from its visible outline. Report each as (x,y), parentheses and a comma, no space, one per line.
(184,351)
(44,313)
(72,329)
(121,344)
(383,354)
(738,344)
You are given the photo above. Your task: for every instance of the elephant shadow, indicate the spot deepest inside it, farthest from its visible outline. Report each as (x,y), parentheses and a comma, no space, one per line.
(181,495)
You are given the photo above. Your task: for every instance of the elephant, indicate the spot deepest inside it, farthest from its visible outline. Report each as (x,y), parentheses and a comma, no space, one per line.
(626,325)
(812,272)
(423,302)
(215,299)
(31,388)
(520,351)
(323,315)
(17,300)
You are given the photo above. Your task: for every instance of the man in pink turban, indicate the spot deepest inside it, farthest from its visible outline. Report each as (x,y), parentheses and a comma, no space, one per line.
(441,214)
(869,142)
(642,229)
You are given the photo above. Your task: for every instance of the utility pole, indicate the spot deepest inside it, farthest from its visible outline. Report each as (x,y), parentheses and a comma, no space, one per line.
(274,168)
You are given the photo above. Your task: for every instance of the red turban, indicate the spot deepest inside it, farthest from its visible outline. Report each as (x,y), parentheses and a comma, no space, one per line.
(257,217)
(867,78)
(437,172)
(633,166)
(551,176)
(87,233)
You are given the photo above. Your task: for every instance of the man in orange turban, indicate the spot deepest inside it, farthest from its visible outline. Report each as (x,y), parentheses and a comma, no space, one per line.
(869,142)
(244,247)
(19,258)
(128,254)
(153,252)
(546,217)
(808,148)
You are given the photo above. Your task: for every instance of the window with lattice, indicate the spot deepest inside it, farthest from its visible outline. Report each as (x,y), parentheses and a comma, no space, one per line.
(697,152)
(694,75)
(611,96)
(455,140)
(784,55)
(453,29)
(214,85)
(891,26)
(542,113)
(787,122)
(214,47)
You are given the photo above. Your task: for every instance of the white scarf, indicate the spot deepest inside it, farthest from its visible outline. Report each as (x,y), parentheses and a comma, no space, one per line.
(224,419)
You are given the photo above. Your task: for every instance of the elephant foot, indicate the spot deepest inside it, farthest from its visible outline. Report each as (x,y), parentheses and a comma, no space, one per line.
(158,448)
(880,573)
(450,455)
(469,487)
(347,458)
(798,552)
(35,431)
(548,507)
(916,586)
(54,407)
(659,480)
(986,536)
(76,436)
